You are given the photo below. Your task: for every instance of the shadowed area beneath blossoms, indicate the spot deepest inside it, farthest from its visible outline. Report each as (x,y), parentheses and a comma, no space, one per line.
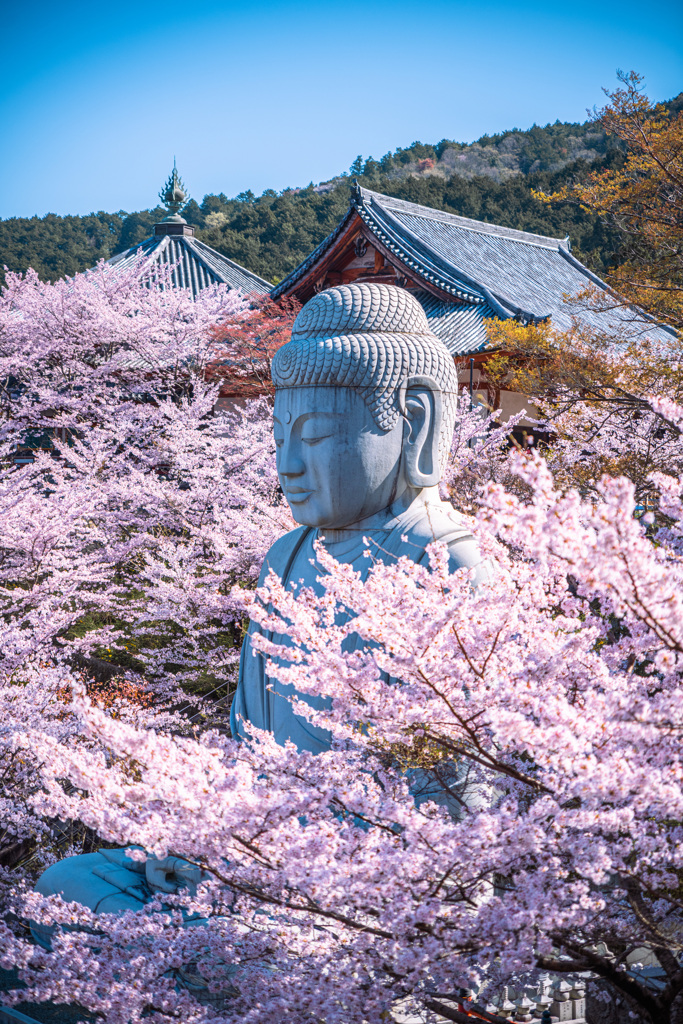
(42,1013)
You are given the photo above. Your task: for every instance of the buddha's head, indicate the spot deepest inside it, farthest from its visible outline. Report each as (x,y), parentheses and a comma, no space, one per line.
(365,405)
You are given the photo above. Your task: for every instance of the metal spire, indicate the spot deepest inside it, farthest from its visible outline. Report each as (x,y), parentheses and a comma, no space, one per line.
(174,196)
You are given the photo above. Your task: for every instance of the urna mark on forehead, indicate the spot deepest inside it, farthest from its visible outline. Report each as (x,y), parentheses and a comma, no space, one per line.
(341,409)
(371,338)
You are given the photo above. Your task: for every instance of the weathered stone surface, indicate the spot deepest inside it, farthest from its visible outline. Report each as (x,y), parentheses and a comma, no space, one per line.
(364,415)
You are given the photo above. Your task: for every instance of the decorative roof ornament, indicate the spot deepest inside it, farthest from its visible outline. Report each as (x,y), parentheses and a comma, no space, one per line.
(174,196)
(195,266)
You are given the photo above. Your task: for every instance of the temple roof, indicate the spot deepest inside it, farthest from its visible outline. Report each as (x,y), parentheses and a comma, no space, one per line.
(196,265)
(493,270)
(461,326)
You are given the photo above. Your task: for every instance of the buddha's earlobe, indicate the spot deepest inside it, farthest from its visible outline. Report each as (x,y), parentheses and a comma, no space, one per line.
(421,404)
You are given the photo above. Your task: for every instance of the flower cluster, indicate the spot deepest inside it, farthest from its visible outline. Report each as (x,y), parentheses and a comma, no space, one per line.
(131,506)
(504,786)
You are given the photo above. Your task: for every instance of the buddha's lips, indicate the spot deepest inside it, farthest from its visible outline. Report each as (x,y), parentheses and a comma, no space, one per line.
(296,496)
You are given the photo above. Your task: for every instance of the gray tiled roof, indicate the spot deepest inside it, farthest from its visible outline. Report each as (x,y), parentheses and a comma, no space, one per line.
(528,275)
(197,265)
(460,326)
(500,271)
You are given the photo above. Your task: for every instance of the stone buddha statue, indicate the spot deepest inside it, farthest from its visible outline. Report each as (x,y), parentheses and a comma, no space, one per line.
(365,404)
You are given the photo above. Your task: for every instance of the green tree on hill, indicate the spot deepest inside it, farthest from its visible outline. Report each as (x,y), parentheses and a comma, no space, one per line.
(492,179)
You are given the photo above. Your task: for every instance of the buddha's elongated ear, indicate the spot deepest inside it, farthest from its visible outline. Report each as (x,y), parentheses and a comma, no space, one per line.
(421,404)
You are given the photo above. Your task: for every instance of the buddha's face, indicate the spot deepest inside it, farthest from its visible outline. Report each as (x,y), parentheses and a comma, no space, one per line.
(335,465)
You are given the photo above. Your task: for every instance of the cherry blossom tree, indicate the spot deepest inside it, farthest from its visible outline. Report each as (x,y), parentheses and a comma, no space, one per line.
(503,789)
(543,713)
(131,506)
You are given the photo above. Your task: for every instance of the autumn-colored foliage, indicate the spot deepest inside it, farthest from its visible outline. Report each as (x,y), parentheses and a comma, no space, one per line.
(595,388)
(594,396)
(248,344)
(644,197)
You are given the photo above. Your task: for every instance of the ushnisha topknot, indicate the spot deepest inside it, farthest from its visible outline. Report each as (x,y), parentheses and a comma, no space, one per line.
(369,337)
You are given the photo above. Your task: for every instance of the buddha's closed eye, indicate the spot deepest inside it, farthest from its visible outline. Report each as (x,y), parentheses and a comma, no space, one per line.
(316,439)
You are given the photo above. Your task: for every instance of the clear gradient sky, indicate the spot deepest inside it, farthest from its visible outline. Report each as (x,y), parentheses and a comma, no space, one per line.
(97,97)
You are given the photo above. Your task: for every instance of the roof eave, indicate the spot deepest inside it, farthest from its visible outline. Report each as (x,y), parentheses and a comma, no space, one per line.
(594,279)
(287,284)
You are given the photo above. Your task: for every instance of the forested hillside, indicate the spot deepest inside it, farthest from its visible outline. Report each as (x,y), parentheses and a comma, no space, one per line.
(491,179)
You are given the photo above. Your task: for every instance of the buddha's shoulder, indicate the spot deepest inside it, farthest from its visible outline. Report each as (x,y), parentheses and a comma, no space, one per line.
(440,522)
(283,550)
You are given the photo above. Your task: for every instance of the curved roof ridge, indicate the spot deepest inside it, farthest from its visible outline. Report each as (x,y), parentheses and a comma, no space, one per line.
(322,247)
(419,257)
(207,256)
(197,264)
(545,241)
(500,304)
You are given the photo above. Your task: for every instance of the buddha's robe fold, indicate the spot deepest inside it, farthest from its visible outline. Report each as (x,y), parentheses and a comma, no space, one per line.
(261,699)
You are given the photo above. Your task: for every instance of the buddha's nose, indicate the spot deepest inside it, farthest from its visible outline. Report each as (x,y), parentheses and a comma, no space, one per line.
(290,462)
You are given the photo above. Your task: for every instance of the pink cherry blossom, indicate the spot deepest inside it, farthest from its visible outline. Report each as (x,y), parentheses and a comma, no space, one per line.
(503,791)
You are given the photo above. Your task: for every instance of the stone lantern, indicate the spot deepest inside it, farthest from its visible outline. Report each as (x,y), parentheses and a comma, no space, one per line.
(524,1009)
(562,1006)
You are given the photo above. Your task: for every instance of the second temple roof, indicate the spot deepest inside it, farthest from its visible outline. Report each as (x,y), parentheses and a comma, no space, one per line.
(464,271)
(196,265)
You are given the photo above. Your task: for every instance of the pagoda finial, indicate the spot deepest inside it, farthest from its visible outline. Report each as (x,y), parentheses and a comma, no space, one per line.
(174,196)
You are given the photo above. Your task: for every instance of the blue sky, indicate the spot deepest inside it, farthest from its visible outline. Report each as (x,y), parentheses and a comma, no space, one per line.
(96,98)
